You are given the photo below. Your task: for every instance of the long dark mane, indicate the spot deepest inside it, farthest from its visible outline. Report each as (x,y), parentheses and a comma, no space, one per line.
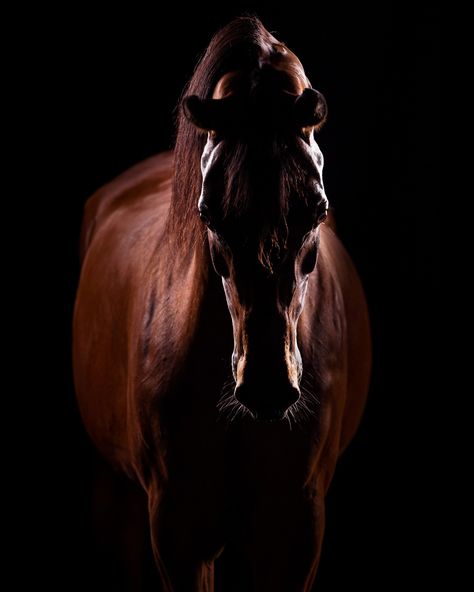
(244,44)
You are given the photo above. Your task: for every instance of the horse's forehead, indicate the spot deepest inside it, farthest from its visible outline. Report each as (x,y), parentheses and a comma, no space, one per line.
(281,60)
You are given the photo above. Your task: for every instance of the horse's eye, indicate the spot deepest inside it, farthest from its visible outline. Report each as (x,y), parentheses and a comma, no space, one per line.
(204,214)
(309,259)
(322,216)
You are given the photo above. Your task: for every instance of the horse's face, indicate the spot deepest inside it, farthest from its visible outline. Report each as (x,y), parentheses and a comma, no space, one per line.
(263,232)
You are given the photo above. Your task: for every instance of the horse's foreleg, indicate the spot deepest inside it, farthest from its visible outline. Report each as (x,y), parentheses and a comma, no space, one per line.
(286,545)
(177,556)
(121,532)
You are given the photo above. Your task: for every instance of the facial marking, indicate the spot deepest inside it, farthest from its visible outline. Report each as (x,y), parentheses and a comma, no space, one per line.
(208,154)
(316,157)
(208,159)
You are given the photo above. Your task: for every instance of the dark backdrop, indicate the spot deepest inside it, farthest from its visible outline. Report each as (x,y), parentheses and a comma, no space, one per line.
(107,86)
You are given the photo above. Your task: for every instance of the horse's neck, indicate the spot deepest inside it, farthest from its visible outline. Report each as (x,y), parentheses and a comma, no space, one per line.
(189,314)
(192,289)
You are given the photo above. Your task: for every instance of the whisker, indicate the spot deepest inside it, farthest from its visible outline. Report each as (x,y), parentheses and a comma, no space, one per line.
(306,403)
(308,373)
(236,411)
(227,405)
(225,394)
(243,410)
(230,381)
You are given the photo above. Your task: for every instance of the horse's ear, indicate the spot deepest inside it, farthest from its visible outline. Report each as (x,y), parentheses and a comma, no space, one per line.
(207,114)
(310,109)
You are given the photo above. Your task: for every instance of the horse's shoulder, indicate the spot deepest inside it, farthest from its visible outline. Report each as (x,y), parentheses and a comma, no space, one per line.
(149,178)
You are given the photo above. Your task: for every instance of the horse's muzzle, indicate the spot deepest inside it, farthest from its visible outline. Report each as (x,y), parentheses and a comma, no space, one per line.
(266,403)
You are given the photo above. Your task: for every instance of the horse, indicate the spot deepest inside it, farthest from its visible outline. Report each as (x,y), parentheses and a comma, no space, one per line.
(221,341)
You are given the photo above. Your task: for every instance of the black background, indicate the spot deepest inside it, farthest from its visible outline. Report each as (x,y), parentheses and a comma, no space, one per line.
(105,88)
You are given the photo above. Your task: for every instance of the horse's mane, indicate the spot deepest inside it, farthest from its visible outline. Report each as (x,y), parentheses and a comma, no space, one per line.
(243,45)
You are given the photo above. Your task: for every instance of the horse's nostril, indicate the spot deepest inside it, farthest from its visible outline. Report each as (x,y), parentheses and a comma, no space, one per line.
(293,395)
(242,395)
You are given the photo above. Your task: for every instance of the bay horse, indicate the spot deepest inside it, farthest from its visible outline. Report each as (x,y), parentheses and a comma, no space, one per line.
(234,220)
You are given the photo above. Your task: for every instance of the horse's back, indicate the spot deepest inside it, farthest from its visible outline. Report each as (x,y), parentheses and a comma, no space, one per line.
(122,226)
(150,178)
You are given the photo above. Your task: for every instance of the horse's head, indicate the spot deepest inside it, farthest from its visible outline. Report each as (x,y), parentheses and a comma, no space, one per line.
(262,201)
